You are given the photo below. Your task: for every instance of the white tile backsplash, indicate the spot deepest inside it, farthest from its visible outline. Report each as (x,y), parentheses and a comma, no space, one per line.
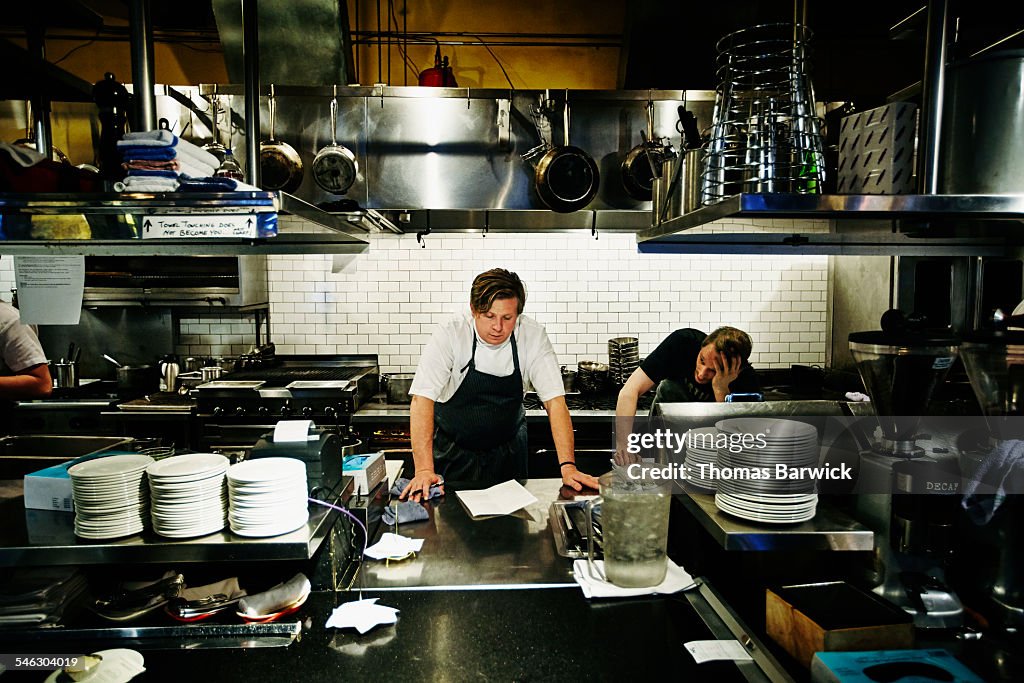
(584,290)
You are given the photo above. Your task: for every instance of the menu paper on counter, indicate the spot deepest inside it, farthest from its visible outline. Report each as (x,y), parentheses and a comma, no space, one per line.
(500,499)
(287,431)
(50,289)
(714,650)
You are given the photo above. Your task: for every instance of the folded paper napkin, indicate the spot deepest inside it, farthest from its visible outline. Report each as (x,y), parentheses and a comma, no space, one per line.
(402,482)
(406,511)
(394,547)
(228,587)
(676,579)
(361,615)
(277,598)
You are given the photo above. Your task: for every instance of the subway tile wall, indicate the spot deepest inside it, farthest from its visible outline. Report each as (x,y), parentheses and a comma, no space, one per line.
(387,300)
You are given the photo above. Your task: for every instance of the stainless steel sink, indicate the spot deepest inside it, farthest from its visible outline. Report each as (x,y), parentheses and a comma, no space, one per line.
(20,455)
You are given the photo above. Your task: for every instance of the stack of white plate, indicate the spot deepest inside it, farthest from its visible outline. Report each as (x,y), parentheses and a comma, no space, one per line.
(188,493)
(700,450)
(772,499)
(267,496)
(623,358)
(110,495)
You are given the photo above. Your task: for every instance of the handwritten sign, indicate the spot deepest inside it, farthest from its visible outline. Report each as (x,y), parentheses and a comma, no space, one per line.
(198,226)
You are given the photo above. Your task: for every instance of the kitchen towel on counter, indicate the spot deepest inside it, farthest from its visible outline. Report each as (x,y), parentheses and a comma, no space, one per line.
(402,482)
(676,579)
(406,511)
(144,184)
(361,615)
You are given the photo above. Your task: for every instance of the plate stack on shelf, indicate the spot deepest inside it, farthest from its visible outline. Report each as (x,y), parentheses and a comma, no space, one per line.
(769,500)
(267,497)
(110,495)
(700,450)
(188,494)
(623,358)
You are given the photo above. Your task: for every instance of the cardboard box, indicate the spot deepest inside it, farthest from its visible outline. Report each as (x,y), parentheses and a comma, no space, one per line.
(834,616)
(367,470)
(50,488)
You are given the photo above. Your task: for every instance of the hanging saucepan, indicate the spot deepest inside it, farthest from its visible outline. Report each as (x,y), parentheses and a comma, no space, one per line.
(566,177)
(280,164)
(643,163)
(335,166)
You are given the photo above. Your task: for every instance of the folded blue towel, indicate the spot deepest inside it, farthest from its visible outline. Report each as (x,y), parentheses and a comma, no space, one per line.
(149,138)
(136,172)
(207,184)
(148,153)
(406,511)
(986,490)
(402,482)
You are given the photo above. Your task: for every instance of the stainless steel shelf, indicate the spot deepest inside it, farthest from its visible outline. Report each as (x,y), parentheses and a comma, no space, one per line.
(829,530)
(43,537)
(833,244)
(517,220)
(341,233)
(844,207)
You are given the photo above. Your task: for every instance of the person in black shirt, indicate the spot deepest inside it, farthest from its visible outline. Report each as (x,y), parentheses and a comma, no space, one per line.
(691,366)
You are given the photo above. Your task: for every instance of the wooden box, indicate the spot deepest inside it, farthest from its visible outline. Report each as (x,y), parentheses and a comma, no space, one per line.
(834,616)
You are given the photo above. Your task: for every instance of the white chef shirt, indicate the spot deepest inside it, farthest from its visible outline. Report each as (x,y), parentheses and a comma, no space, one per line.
(440,371)
(19,345)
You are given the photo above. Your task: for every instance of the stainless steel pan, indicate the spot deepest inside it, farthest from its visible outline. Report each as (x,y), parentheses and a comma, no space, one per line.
(280,164)
(335,166)
(566,177)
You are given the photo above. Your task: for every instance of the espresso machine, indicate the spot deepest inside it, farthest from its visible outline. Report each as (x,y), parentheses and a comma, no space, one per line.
(905,493)
(994,361)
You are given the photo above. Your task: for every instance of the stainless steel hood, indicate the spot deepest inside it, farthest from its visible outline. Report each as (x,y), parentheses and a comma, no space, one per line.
(302,42)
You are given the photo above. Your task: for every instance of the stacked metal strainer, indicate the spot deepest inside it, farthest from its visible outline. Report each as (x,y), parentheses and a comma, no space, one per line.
(623,358)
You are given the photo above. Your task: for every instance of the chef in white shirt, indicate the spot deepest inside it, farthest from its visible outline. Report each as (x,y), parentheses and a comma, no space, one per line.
(467,419)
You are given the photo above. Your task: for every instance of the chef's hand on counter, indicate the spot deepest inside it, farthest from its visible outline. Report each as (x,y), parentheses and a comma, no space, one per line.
(418,489)
(726,371)
(576,480)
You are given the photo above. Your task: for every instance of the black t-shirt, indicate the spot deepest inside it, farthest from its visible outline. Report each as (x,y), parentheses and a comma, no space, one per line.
(676,359)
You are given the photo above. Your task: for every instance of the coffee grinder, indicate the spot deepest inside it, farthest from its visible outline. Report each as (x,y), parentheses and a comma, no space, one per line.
(901,365)
(995,366)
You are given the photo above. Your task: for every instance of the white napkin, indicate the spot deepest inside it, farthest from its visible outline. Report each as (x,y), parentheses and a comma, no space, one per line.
(393,546)
(280,597)
(361,615)
(676,579)
(501,499)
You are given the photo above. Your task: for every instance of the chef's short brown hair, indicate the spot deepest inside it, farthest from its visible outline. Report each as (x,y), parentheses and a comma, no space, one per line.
(496,283)
(730,342)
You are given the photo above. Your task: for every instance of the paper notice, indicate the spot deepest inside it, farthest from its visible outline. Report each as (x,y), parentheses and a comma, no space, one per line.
(500,499)
(292,430)
(713,650)
(50,289)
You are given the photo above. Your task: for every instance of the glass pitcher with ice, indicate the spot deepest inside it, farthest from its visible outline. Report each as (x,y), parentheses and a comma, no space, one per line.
(633,523)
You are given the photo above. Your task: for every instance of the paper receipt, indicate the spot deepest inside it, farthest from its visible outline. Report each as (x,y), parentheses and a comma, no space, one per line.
(714,650)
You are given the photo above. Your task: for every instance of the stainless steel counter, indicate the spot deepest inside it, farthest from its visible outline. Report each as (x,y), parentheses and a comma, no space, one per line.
(510,552)
(43,537)
(829,530)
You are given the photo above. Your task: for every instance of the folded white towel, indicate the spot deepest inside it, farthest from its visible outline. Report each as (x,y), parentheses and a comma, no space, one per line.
(147,184)
(197,156)
(193,168)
